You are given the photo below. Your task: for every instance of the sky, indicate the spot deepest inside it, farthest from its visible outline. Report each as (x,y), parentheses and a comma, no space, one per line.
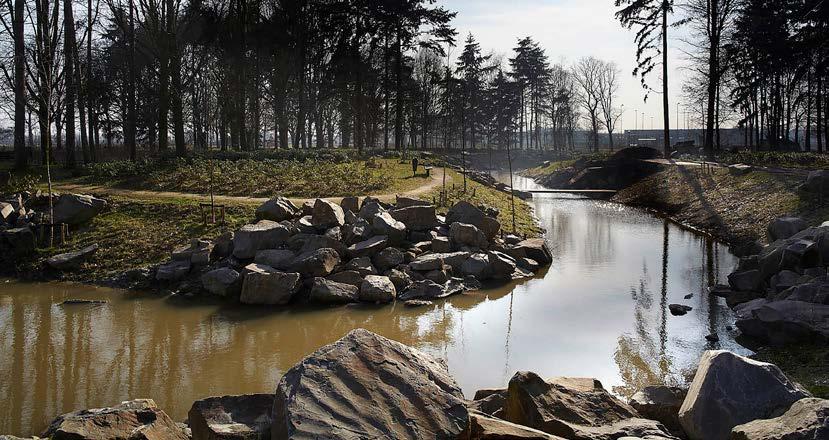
(569,30)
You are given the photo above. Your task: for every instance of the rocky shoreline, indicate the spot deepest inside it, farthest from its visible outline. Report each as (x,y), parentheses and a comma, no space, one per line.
(327,253)
(365,386)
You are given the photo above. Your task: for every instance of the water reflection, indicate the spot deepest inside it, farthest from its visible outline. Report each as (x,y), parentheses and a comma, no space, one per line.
(600,310)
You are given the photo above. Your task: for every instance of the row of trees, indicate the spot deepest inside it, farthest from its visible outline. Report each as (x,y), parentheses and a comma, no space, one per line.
(759,64)
(157,76)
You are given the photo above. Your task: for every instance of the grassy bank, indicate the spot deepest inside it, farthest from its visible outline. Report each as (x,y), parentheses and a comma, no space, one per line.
(735,209)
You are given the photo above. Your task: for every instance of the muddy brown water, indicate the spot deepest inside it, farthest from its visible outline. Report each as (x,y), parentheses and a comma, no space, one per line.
(600,310)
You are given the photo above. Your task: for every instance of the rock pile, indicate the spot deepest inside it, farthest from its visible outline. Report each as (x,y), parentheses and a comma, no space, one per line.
(781,295)
(365,386)
(22,213)
(368,252)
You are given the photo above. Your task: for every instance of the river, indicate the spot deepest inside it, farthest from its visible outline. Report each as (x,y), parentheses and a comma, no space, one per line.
(600,310)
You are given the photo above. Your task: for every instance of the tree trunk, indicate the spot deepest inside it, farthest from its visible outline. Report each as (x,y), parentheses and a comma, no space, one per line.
(398,98)
(21,156)
(129,131)
(69,77)
(665,104)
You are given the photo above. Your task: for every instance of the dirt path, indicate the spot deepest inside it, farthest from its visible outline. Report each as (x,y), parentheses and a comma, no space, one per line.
(101,190)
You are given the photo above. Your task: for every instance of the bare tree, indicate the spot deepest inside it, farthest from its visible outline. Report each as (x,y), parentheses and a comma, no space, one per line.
(608,86)
(587,73)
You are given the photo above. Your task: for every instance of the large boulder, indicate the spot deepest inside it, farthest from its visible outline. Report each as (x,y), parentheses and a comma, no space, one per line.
(427,262)
(465,212)
(172,271)
(377,289)
(362,266)
(244,417)
(416,217)
(817,182)
(71,260)
(76,209)
(428,289)
(198,252)
(384,224)
(660,403)
(388,258)
(746,280)
(807,419)
(223,281)
(347,277)
(318,263)
(367,248)
(327,214)
(574,408)
(356,231)
(131,420)
(277,209)
(265,234)
(533,248)
(463,234)
(302,243)
(477,265)
(370,208)
(350,204)
(405,202)
(502,266)
(783,322)
(785,227)
(325,291)
(366,386)
(729,390)
(20,240)
(266,285)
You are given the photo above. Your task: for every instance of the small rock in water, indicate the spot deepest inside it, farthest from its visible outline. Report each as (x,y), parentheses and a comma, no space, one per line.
(417,303)
(689,296)
(712,338)
(679,309)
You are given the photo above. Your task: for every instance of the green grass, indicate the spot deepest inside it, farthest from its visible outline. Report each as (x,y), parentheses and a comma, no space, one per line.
(258,177)
(544,170)
(478,194)
(133,234)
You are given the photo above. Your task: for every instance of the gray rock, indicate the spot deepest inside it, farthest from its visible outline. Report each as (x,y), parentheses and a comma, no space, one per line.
(303,243)
(71,260)
(400,279)
(76,209)
(277,258)
(334,233)
(807,419)
(428,289)
(739,169)
(266,285)
(368,247)
(817,182)
(318,263)
(440,276)
(277,209)
(417,303)
(347,277)
(465,212)
(816,291)
(173,271)
(783,322)
(362,266)
(388,258)
(463,234)
(223,246)
(490,401)
(660,403)
(528,264)
(197,253)
(729,390)
(679,309)
(325,291)
(416,217)
(265,234)
(343,376)
(377,289)
(745,281)
(534,248)
(350,204)
(20,240)
(434,261)
(785,227)
(244,417)
(441,245)
(135,420)
(369,209)
(355,232)
(6,212)
(502,266)
(327,214)
(384,224)
(405,202)
(477,265)
(574,408)
(305,225)
(485,427)
(223,281)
